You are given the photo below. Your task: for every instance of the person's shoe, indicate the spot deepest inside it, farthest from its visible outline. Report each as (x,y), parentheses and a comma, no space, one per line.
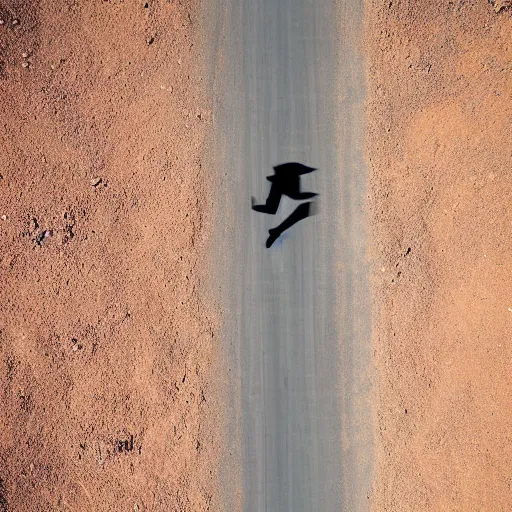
(273,236)
(262,208)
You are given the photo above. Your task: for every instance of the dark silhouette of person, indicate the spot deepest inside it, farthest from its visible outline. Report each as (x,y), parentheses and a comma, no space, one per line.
(285,181)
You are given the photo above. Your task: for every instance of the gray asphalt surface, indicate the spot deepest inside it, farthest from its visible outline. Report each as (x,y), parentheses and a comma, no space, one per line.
(289,86)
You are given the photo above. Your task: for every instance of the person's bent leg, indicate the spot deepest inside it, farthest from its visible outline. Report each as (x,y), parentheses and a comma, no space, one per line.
(301,212)
(272,203)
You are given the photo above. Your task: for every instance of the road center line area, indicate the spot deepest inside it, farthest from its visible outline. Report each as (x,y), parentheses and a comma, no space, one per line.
(288,135)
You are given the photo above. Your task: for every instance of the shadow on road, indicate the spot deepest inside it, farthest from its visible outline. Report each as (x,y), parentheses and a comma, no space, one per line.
(286,181)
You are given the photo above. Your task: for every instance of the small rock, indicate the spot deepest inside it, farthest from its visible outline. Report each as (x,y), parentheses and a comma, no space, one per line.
(47,233)
(136,508)
(96,181)
(76,345)
(24,55)
(501,4)
(2,22)
(4,217)
(24,65)
(150,40)
(15,22)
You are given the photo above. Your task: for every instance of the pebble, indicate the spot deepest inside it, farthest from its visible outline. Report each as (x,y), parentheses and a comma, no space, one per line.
(24,65)
(96,181)
(15,22)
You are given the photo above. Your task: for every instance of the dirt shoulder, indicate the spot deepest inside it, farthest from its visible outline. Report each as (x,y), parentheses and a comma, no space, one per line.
(439,159)
(105,342)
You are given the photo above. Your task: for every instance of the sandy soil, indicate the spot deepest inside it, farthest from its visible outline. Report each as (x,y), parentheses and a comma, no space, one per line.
(439,157)
(105,343)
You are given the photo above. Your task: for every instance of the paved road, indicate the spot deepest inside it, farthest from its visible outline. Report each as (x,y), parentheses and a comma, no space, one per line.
(298,323)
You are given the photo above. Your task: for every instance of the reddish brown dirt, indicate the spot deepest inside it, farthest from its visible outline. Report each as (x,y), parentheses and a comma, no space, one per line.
(439,157)
(103,334)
